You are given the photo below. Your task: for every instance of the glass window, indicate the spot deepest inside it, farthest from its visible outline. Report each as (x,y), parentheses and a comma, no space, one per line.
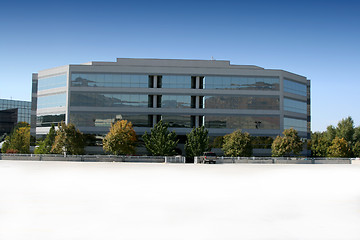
(242,102)
(241,82)
(109,80)
(175,81)
(297,124)
(174,101)
(52,82)
(48,120)
(295,87)
(243,122)
(51,101)
(295,106)
(177,121)
(96,119)
(85,99)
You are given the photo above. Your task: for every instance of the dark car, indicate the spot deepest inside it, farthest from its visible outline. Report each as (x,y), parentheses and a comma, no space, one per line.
(208,157)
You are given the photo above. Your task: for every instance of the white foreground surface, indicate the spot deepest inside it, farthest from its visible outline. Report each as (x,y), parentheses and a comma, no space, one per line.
(70,200)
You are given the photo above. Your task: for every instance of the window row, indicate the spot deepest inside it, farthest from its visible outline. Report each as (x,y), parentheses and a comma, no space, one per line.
(173,101)
(173,81)
(48,120)
(297,124)
(87,119)
(246,83)
(295,106)
(52,101)
(52,82)
(295,87)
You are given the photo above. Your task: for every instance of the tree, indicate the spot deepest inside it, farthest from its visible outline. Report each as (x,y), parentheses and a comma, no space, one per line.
(237,144)
(319,144)
(68,139)
(356,149)
(197,142)
(121,138)
(339,148)
(160,142)
(345,129)
(46,145)
(19,139)
(288,144)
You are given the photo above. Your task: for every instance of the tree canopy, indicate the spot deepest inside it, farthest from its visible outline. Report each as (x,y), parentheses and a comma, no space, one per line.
(46,145)
(237,144)
(68,139)
(121,138)
(19,140)
(288,144)
(160,142)
(197,142)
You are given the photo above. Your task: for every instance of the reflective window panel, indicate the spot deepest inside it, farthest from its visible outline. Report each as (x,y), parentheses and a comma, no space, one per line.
(295,87)
(175,81)
(48,120)
(295,106)
(109,80)
(88,119)
(51,101)
(297,124)
(243,122)
(242,102)
(175,101)
(178,121)
(243,82)
(85,99)
(52,82)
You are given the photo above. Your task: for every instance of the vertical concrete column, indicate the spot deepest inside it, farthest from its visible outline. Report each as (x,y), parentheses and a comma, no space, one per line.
(197,85)
(155,99)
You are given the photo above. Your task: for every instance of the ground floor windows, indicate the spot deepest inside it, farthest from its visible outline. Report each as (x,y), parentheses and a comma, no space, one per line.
(243,122)
(48,120)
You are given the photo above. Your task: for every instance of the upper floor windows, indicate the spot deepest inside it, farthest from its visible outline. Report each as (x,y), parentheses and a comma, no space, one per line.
(295,87)
(52,82)
(295,106)
(246,83)
(109,80)
(52,101)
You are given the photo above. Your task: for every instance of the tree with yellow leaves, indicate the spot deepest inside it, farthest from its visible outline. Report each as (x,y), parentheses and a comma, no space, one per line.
(121,138)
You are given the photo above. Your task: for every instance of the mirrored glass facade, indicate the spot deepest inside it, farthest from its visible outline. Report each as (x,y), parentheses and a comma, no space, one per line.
(297,124)
(243,83)
(242,102)
(23,109)
(295,87)
(295,106)
(178,121)
(175,81)
(109,80)
(52,82)
(52,101)
(86,99)
(48,120)
(175,101)
(243,122)
(98,119)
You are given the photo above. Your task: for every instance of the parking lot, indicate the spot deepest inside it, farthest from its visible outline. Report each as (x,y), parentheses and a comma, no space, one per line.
(106,200)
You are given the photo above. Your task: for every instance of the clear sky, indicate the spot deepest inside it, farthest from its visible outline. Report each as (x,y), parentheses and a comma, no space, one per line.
(316,39)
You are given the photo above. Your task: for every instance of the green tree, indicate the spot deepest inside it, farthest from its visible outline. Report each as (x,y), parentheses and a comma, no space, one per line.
(345,129)
(46,145)
(121,138)
(160,142)
(19,139)
(319,144)
(197,142)
(68,139)
(339,148)
(237,144)
(288,144)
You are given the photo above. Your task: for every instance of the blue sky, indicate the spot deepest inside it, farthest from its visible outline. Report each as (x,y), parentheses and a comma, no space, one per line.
(316,39)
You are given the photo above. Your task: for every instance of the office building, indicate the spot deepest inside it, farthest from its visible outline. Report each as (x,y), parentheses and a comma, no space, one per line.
(183,93)
(12,112)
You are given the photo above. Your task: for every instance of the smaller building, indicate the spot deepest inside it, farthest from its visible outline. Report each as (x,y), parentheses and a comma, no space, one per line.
(12,112)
